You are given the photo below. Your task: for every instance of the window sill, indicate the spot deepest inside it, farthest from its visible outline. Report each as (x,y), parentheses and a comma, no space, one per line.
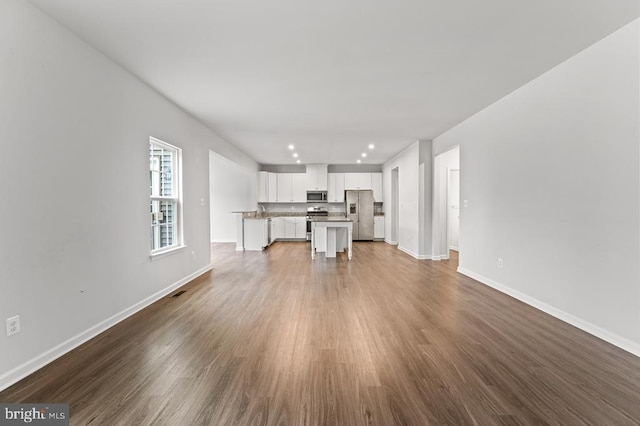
(160,254)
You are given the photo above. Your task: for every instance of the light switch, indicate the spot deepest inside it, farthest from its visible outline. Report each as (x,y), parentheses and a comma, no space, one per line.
(465,203)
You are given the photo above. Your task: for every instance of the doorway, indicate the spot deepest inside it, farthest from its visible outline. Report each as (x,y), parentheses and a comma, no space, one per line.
(231,188)
(446,204)
(453,203)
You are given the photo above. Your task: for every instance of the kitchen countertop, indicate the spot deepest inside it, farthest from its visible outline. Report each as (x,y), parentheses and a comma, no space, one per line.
(254,214)
(330,219)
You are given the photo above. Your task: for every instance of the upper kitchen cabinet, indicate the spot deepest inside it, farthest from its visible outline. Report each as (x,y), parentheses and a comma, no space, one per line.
(357,181)
(376,185)
(267,187)
(335,190)
(316,177)
(298,188)
(291,188)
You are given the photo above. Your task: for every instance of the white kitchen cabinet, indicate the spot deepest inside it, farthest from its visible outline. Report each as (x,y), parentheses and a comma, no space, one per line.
(376,185)
(273,230)
(335,187)
(267,187)
(295,228)
(357,181)
(263,187)
(289,228)
(298,188)
(284,188)
(273,187)
(277,229)
(316,177)
(301,228)
(291,188)
(378,227)
(350,181)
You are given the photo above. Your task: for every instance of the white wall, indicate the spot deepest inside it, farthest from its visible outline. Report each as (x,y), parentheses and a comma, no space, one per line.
(552,176)
(415,185)
(232,188)
(74,252)
(407,163)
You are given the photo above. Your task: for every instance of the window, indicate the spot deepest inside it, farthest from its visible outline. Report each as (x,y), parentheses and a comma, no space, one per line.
(166,196)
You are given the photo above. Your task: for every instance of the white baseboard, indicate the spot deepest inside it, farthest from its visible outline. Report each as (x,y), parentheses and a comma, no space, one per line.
(224,241)
(454,248)
(409,252)
(15,375)
(607,336)
(393,243)
(421,256)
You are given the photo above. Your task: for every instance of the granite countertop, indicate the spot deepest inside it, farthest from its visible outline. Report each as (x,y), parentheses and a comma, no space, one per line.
(254,214)
(285,214)
(330,219)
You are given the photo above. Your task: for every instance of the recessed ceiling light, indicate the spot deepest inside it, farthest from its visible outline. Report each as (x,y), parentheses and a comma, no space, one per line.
(295,155)
(291,147)
(364,154)
(358,161)
(371,146)
(298,161)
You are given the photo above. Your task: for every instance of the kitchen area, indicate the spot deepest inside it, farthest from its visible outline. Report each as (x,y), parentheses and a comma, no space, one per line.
(307,206)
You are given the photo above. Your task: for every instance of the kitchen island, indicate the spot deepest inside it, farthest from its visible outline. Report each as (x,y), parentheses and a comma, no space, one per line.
(338,228)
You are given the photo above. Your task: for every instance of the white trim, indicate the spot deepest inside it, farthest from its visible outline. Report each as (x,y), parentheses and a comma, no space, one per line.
(422,256)
(177,186)
(454,248)
(607,336)
(393,243)
(224,241)
(165,252)
(409,252)
(20,372)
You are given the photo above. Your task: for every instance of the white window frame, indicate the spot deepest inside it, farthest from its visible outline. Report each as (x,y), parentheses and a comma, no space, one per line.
(176,197)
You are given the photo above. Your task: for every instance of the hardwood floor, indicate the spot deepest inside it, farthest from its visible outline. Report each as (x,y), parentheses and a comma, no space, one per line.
(274,338)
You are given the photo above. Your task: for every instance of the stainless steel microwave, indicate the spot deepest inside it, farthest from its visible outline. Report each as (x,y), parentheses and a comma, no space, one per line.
(316,196)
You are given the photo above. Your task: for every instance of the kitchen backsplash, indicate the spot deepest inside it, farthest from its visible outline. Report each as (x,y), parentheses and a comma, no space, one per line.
(300,207)
(290,208)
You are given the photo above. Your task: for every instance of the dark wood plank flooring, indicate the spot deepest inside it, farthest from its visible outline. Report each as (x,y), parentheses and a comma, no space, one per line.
(274,338)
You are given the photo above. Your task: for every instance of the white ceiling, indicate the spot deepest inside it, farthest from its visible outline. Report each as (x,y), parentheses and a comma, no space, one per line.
(332,76)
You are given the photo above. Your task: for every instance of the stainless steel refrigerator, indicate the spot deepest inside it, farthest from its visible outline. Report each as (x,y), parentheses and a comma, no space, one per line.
(360,209)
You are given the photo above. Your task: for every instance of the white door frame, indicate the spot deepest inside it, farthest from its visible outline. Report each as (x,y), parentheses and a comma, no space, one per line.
(440,220)
(449,170)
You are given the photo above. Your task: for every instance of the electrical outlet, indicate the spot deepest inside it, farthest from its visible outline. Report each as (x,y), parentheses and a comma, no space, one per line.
(500,263)
(13,325)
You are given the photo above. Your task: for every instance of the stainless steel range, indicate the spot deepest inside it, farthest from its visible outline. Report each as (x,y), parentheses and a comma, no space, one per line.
(314,212)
